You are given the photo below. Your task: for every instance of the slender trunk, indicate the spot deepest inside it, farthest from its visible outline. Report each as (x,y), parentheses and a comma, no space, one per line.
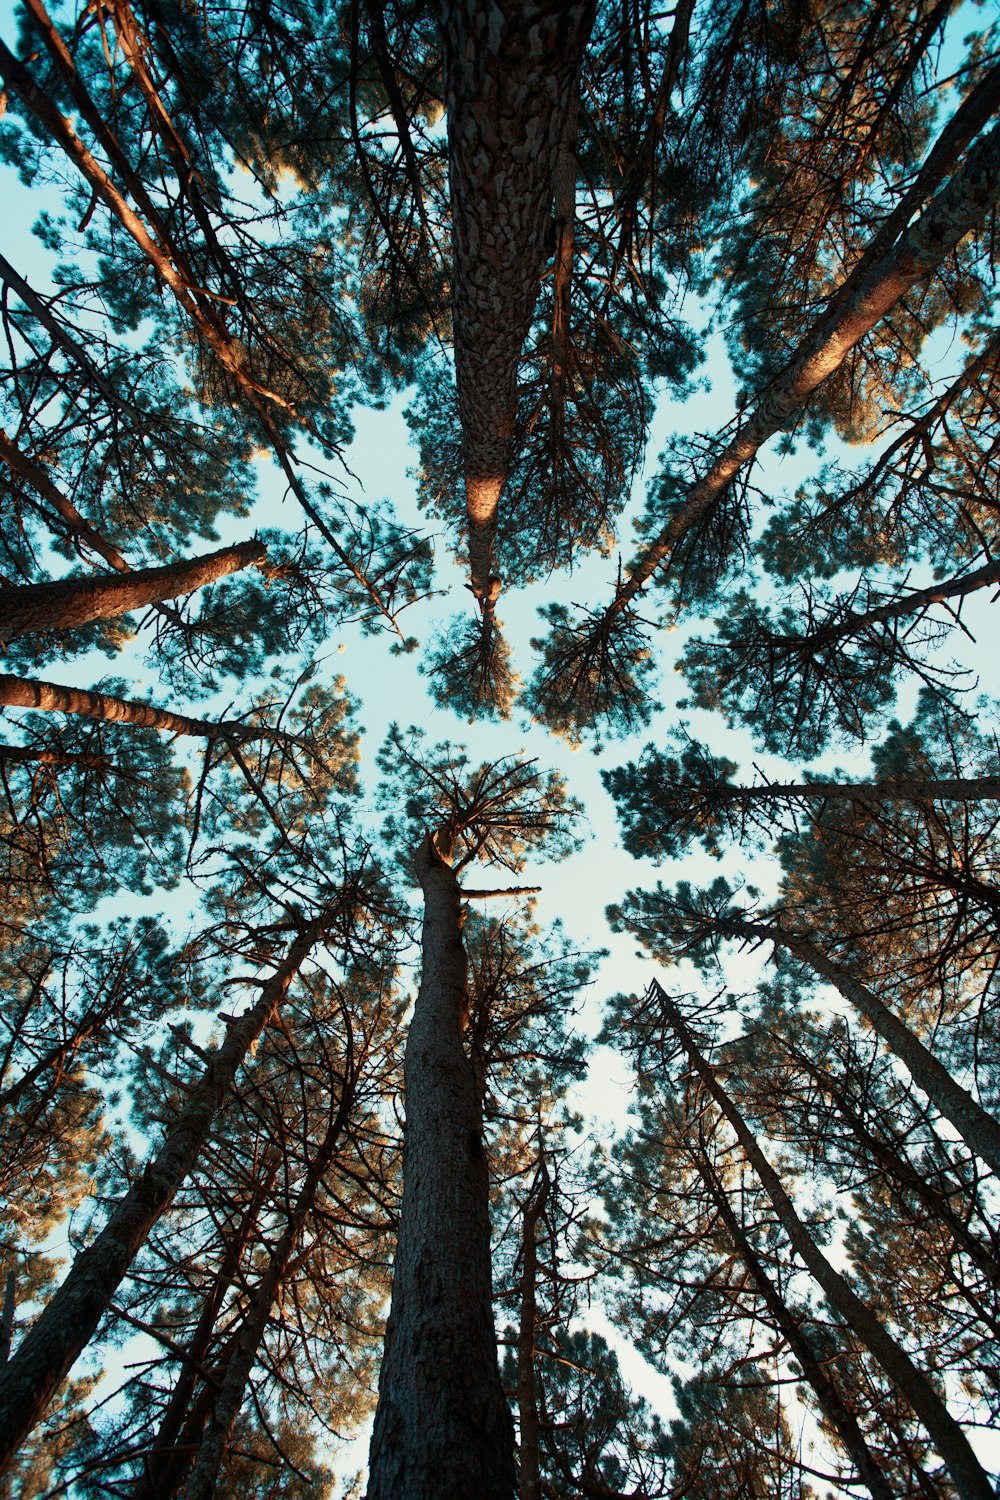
(527,1400)
(7,1314)
(831,1402)
(26,609)
(913,1385)
(166,1459)
(169,263)
(510,75)
(442,1428)
(900,789)
(215,1442)
(978,1129)
(69,1321)
(887,1152)
(913,603)
(52,697)
(968,198)
(19,463)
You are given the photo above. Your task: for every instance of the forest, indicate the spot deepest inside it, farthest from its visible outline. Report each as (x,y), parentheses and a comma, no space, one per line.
(499,782)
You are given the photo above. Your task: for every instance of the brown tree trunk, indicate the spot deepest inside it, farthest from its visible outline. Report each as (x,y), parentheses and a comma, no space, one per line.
(965,202)
(978,1129)
(511,72)
(900,789)
(831,1402)
(527,1400)
(52,697)
(69,1321)
(227,1406)
(25,609)
(966,1472)
(166,1461)
(442,1428)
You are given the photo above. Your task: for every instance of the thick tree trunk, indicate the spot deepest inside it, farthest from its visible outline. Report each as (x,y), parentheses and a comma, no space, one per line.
(26,609)
(511,72)
(67,1324)
(527,1399)
(978,1129)
(442,1427)
(965,202)
(966,1472)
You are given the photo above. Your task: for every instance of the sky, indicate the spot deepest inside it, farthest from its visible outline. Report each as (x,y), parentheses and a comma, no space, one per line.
(379,464)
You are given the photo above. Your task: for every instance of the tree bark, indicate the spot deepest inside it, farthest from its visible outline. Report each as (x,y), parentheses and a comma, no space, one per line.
(52,697)
(442,1428)
(967,199)
(69,1321)
(511,72)
(978,1129)
(26,609)
(900,789)
(966,1472)
(831,1402)
(527,1400)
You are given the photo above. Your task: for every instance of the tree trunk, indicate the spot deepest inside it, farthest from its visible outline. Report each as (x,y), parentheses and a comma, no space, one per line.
(510,75)
(26,609)
(978,1129)
(165,1462)
(52,697)
(442,1428)
(901,789)
(527,1400)
(215,1442)
(70,1320)
(831,1402)
(963,204)
(967,1473)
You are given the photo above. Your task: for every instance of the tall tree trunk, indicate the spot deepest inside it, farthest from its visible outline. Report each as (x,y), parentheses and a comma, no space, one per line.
(69,1321)
(978,1129)
(52,697)
(442,1428)
(511,72)
(965,202)
(167,1459)
(25,609)
(227,1406)
(966,1472)
(831,1402)
(899,789)
(527,1399)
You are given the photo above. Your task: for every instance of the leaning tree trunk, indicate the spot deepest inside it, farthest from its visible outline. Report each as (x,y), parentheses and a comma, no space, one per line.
(979,1130)
(53,697)
(71,1319)
(232,1393)
(968,1476)
(815,1370)
(511,75)
(442,1427)
(964,203)
(28,608)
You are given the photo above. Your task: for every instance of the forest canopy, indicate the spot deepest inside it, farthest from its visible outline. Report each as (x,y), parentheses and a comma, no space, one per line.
(499,782)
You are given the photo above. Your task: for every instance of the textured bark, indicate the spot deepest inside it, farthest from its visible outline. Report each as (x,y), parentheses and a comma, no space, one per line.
(52,697)
(26,609)
(442,1428)
(69,1321)
(511,71)
(978,1129)
(967,1473)
(527,1398)
(831,1402)
(963,204)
